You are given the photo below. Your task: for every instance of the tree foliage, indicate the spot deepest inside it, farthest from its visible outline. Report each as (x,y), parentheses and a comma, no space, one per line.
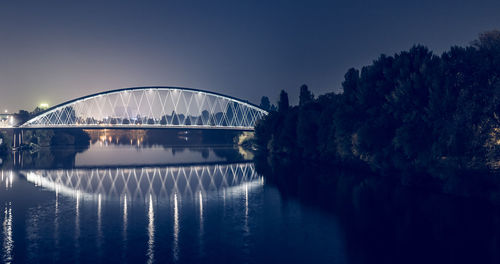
(413,110)
(305,95)
(265,103)
(283,103)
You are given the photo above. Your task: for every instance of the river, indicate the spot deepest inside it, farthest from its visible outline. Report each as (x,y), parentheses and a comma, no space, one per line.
(148,203)
(129,199)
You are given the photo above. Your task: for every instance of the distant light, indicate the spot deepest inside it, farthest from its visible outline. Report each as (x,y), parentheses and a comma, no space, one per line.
(44,105)
(6,111)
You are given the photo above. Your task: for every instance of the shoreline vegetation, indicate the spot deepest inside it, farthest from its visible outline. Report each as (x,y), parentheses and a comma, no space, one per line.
(419,118)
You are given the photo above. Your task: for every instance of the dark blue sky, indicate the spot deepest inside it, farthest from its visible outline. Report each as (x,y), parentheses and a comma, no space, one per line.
(53,51)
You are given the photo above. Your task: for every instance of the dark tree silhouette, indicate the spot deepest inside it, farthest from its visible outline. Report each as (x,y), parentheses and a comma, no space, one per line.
(305,95)
(265,103)
(407,112)
(22,116)
(283,104)
(489,40)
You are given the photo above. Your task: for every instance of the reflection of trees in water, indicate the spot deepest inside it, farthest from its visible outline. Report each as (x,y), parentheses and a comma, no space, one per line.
(172,140)
(55,157)
(385,222)
(228,153)
(176,140)
(64,157)
(56,137)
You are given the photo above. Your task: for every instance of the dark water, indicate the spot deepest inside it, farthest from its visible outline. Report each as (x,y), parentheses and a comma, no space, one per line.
(135,203)
(155,204)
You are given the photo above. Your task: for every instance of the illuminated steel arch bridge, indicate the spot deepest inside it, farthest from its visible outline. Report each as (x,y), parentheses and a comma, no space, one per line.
(151,107)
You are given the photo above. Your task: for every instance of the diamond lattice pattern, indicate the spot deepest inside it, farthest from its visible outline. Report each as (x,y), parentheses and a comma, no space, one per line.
(152,107)
(138,183)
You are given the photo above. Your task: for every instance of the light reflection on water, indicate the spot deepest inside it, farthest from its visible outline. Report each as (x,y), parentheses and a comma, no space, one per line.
(8,242)
(7,179)
(56,225)
(138,183)
(157,214)
(175,248)
(151,231)
(99,241)
(125,226)
(127,186)
(200,236)
(77,223)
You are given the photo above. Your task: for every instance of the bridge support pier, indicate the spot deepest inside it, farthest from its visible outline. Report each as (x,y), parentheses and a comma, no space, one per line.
(17,141)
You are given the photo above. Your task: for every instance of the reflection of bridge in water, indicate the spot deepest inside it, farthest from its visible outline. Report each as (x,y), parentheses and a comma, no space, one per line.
(140,183)
(168,194)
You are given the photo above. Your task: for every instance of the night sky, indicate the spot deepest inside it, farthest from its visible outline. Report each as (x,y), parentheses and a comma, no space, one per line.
(53,51)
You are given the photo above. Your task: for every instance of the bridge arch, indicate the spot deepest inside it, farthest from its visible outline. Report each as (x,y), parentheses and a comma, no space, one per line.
(151,107)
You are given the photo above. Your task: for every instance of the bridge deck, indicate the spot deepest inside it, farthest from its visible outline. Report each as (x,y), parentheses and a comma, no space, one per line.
(134,127)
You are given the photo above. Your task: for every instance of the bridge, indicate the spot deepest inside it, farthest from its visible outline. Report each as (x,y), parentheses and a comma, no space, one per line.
(148,108)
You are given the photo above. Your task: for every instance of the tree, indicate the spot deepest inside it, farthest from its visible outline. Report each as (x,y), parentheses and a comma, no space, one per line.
(489,40)
(305,95)
(265,103)
(68,115)
(307,129)
(187,121)
(175,118)
(37,111)
(286,133)
(22,116)
(307,123)
(411,111)
(283,104)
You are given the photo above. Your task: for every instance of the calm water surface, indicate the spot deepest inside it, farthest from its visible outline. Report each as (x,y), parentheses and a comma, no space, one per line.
(154,204)
(126,199)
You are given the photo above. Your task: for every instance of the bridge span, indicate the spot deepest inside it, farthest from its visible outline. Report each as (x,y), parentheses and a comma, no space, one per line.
(158,107)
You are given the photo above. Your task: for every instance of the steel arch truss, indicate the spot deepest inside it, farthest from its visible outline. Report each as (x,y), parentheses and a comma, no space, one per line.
(150,107)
